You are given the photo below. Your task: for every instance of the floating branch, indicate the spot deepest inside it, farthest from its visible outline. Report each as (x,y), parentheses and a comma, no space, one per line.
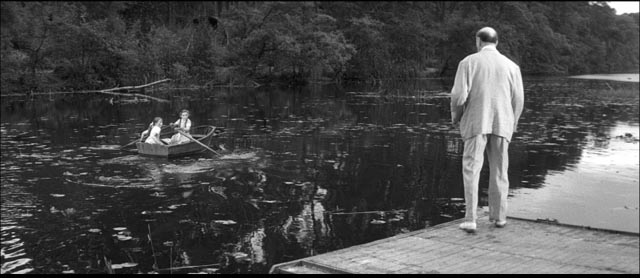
(110,91)
(189,266)
(107,91)
(366,212)
(135,95)
(134,87)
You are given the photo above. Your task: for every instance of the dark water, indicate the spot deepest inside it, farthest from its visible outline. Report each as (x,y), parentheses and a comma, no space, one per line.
(311,170)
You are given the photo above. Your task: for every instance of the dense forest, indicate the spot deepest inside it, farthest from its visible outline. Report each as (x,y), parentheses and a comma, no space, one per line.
(94,45)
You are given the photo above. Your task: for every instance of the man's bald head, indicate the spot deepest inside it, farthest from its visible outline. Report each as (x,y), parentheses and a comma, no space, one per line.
(487,34)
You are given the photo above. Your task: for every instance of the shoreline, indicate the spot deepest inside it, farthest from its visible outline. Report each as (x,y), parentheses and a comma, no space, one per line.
(622,77)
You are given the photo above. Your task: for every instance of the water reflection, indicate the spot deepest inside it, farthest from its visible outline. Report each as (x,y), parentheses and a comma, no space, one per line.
(312,170)
(605,174)
(16,205)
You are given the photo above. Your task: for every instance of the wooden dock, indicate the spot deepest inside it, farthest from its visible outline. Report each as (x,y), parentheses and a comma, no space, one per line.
(523,246)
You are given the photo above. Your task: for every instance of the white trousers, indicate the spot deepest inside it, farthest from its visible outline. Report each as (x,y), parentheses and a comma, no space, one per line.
(472,159)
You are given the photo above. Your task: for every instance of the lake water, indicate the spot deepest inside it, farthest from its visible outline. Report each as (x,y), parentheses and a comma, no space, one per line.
(311,170)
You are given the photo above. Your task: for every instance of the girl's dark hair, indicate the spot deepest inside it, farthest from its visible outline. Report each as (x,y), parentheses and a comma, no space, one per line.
(155,121)
(182,111)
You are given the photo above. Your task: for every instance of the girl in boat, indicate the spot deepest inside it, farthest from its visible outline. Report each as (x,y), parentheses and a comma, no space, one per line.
(183,124)
(154,132)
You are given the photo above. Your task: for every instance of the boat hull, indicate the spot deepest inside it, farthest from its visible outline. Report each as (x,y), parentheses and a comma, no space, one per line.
(204,134)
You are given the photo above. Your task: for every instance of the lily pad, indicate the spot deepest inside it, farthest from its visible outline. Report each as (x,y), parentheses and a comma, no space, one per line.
(123,237)
(225,222)
(123,265)
(239,256)
(210,270)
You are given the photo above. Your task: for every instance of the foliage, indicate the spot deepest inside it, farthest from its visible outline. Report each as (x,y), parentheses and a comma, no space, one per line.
(284,39)
(89,45)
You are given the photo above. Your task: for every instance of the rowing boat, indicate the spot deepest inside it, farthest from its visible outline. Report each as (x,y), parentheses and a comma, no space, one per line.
(204,134)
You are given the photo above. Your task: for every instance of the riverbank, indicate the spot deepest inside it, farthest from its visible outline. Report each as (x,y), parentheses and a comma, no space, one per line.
(622,77)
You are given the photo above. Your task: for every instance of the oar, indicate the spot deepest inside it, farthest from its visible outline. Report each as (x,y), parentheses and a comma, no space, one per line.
(132,142)
(194,140)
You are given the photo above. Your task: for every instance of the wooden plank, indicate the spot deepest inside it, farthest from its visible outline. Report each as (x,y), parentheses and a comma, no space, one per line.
(523,246)
(436,258)
(469,261)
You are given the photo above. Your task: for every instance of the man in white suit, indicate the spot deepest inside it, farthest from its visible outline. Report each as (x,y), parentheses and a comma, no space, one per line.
(486,100)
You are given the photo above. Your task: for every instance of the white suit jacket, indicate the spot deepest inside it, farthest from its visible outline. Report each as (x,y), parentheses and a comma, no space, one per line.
(487,95)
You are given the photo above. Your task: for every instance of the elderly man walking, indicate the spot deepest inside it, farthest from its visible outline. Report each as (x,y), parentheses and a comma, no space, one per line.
(486,100)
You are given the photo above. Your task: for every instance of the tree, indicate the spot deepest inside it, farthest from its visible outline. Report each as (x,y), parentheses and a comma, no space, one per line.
(283,39)
(83,45)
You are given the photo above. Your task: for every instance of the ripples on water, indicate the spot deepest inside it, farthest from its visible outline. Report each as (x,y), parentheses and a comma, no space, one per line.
(16,205)
(309,171)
